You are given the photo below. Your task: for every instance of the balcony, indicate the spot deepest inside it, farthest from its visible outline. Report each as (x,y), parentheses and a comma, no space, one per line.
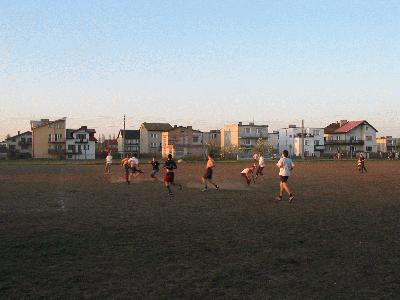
(344,142)
(319,147)
(24,143)
(253,135)
(69,151)
(81,141)
(57,141)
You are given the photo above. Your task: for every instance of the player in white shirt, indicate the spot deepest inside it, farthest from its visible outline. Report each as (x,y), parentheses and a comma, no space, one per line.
(248,174)
(108,163)
(134,165)
(261,165)
(285,166)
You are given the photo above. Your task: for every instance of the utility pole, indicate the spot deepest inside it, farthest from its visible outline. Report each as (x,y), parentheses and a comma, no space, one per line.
(123,139)
(302,139)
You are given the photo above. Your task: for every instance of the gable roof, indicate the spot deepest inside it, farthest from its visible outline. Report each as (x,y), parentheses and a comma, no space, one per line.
(15,136)
(157,126)
(330,129)
(130,134)
(349,126)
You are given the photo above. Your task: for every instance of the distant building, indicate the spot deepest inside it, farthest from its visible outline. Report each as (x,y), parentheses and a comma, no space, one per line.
(243,136)
(273,140)
(150,137)
(20,145)
(386,144)
(131,144)
(294,139)
(81,143)
(212,137)
(350,137)
(48,138)
(182,142)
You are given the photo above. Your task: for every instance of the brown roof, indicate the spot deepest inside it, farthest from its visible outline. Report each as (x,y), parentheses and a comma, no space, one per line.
(157,126)
(330,129)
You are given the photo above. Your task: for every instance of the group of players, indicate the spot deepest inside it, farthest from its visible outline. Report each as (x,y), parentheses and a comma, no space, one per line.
(130,165)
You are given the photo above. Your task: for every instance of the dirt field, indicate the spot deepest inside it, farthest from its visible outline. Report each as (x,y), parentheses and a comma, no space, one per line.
(71,231)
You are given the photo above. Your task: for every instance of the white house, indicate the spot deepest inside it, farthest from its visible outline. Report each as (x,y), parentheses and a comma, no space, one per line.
(313,141)
(350,137)
(273,140)
(20,145)
(80,143)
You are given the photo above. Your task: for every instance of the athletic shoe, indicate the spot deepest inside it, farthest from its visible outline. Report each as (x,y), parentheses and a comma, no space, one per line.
(180,187)
(278,198)
(171,194)
(291,198)
(204,190)
(217,187)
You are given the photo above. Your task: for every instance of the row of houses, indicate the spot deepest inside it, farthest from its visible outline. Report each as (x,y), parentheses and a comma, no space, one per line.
(51,139)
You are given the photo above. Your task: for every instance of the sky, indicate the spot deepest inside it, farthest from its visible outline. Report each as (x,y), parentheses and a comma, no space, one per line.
(200,63)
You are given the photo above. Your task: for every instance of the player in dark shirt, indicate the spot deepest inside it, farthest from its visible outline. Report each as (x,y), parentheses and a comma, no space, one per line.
(169,176)
(156,168)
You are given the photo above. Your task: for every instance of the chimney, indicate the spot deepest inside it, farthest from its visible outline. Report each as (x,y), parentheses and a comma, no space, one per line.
(83,127)
(240,123)
(175,126)
(19,132)
(342,122)
(292,126)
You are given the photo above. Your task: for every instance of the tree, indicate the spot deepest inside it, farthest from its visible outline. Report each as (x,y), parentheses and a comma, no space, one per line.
(231,151)
(212,148)
(8,136)
(261,146)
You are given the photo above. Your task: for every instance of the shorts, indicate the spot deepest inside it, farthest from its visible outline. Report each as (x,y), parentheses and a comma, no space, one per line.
(169,177)
(134,170)
(284,178)
(208,174)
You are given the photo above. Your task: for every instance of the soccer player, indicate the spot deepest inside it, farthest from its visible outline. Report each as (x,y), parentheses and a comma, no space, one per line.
(108,163)
(361,163)
(261,165)
(134,165)
(248,174)
(169,177)
(126,166)
(208,174)
(156,167)
(285,166)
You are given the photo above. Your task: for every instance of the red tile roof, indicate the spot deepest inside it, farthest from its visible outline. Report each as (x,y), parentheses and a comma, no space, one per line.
(349,126)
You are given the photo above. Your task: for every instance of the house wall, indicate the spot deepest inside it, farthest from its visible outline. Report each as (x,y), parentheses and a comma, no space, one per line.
(182,142)
(43,140)
(21,144)
(75,150)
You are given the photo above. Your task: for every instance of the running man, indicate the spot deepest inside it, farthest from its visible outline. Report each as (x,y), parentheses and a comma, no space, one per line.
(134,165)
(208,174)
(169,177)
(156,167)
(108,163)
(285,166)
(248,174)
(126,166)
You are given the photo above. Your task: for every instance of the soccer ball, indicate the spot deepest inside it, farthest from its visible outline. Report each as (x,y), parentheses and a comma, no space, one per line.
(180,160)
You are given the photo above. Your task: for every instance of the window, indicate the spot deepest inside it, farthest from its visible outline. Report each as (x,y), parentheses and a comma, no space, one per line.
(247,130)
(366,128)
(290,135)
(316,132)
(195,139)
(258,130)
(368,149)
(247,142)
(71,147)
(153,135)
(368,138)
(316,142)
(81,136)
(69,156)
(306,142)
(153,145)
(22,140)
(338,138)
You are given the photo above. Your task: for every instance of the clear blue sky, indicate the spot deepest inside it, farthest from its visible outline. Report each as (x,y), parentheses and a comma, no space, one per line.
(200,63)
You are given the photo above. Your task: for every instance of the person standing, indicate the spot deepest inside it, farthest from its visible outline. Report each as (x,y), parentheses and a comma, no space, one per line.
(108,163)
(361,163)
(126,166)
(134,166)
(261,165)
(156,167)
(207,177)
(169,177)
(285,166)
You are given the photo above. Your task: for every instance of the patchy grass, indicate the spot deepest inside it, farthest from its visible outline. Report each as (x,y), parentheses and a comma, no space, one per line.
(70,231)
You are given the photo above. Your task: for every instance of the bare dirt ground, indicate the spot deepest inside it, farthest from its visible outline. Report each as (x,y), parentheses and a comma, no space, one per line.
(71,231)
